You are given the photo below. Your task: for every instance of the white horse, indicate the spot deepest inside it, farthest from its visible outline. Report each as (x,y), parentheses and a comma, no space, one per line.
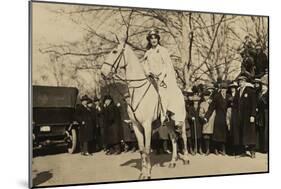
(143,104)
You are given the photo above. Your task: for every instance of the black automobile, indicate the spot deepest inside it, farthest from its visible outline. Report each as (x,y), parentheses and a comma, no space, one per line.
(53,117)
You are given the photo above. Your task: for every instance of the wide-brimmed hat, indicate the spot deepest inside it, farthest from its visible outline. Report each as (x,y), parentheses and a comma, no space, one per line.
(188,92)
(153,32)
(96,99)
(264,79)
(242,77)
(195,98)
(89,101)
(223,85)
(257,80)
(206,93)
(258,46)
(84,98)
(107,97)
(233,84)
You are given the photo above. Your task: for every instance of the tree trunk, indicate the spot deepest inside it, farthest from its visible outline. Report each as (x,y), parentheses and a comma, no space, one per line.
(185,49)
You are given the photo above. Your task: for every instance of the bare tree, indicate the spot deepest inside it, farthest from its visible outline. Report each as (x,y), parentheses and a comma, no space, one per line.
(203,46)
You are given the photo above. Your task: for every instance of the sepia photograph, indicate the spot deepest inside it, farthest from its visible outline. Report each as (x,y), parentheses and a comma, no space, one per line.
(122,94)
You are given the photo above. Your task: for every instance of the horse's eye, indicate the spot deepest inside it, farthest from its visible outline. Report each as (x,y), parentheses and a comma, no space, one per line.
(114,51)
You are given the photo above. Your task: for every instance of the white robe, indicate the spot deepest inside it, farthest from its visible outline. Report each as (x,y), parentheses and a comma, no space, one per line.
(158,62)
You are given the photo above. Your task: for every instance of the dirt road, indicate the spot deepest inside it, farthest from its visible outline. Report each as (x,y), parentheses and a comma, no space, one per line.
(63,168)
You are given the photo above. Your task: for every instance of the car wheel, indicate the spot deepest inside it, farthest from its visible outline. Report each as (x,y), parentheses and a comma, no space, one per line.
(72,145)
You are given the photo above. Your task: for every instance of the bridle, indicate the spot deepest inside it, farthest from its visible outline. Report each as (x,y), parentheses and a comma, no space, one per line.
(116,63)
(114,68)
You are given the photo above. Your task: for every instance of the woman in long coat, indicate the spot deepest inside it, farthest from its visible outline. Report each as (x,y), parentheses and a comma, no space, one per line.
(262,116)
(208,127)
(247,113)
(93,111)
(234,123)
(219,105)
(86,125)
(112,126)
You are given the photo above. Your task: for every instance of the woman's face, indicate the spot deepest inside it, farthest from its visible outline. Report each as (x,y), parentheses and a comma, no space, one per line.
(206,98)
(153,41)
(107,102)
(242,83)
(223,92)
(90,105)
(84,102)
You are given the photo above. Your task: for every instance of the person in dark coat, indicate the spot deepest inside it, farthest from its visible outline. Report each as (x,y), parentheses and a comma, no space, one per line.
(99,134)
(112,126)
(91,107)
(195,126)
(258,87)
(129,140)
(248,67)
(262,115)
(261,62)
(84,117)
(247,113)
(234,123)
(219,104)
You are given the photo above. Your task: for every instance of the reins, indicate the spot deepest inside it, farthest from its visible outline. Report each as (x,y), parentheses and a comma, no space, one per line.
(116,77)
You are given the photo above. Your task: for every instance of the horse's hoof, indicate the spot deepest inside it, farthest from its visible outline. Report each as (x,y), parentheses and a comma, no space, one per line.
(186,162)
(149,177)
(141,177)
(172,165)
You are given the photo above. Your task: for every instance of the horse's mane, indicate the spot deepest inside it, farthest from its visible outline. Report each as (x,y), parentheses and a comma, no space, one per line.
(133,58)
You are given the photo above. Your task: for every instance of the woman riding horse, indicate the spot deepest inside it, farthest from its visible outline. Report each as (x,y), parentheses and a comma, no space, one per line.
(158,65)
(142,99)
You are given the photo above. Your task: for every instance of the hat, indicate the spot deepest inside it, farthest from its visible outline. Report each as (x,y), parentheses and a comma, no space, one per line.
(233,85)
(257,80)
(96,99)
(210,88)
(188,92)
(85,98)
(195,98)
(152,32)
(242,77)
(107,97)
(206,93)
(264,79)
(223,85)
(258,46)
(90,101)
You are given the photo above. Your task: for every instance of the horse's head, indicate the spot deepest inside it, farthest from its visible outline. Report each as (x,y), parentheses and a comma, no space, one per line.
(115,61)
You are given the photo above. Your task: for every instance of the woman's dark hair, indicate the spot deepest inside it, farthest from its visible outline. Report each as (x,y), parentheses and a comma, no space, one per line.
(148,46)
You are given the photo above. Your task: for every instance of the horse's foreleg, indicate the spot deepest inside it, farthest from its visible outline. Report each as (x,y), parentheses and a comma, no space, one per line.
(173,138)
(184,138)
(147,134)
(140,139)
